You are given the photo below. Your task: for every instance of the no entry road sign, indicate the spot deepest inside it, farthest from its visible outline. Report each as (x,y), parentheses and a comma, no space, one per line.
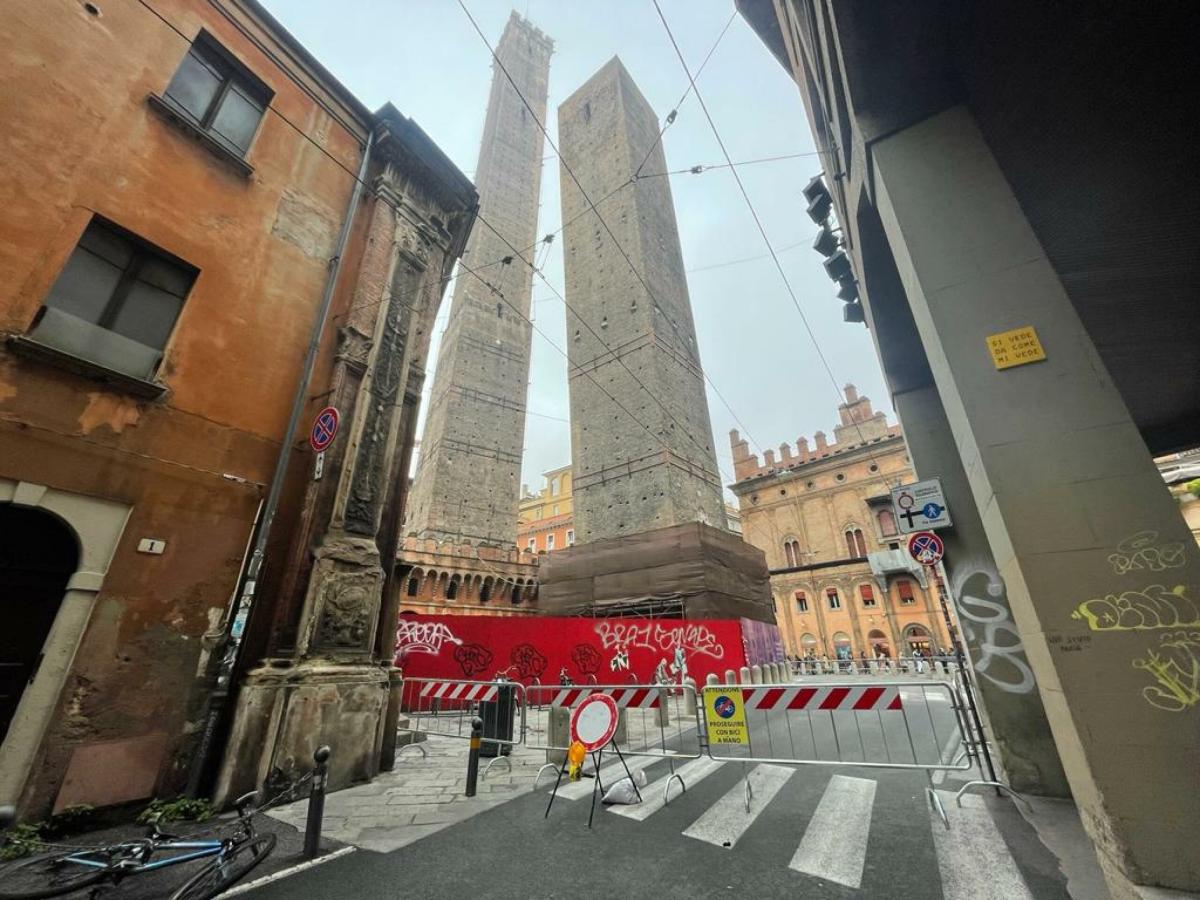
(324,427)
(594,721)
(926,548)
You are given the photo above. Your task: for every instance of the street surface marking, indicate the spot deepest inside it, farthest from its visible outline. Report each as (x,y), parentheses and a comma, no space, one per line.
(284,873)
(834,846)
(653,795)
(609,775)
(972,857)
(726,821)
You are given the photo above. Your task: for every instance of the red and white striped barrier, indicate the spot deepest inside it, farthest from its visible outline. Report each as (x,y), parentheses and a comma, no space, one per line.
(817,698)
(635,698)
(459,690)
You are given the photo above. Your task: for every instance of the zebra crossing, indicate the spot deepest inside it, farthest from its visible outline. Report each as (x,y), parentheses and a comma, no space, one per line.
(832,845)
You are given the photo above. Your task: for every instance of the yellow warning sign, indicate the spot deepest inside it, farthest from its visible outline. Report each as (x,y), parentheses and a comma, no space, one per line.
(725,715)
(1015,348)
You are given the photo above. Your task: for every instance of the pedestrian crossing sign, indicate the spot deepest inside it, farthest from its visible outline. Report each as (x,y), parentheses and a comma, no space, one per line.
(725,715)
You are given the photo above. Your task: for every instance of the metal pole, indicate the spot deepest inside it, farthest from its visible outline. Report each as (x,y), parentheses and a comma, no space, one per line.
(316,803)
(248,581)
(473,755)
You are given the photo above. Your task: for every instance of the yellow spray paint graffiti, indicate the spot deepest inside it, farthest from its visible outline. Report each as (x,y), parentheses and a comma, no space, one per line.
(1154,606)
(1175,666)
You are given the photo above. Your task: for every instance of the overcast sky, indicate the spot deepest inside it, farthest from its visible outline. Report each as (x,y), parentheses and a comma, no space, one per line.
(425,57)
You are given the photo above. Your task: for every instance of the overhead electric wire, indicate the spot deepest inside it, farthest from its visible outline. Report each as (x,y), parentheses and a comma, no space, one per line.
(670,119)
(592,206)
(758,223)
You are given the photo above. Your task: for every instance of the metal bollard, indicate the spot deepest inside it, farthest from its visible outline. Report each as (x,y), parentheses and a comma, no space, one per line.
(473,755)
(756,674)
(316,803)
(730,676)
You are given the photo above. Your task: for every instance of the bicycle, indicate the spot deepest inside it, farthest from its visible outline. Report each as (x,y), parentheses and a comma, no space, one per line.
(63,870)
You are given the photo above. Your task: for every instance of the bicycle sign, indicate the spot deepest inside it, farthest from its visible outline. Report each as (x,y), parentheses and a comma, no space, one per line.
(926,548)
(324,427)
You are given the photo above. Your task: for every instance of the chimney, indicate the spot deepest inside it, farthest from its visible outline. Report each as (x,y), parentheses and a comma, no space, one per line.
(802,447)
(785,453)
(769,458)
(851,393)
(820,436)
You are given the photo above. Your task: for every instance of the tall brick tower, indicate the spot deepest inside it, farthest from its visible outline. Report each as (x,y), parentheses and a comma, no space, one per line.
(467,485)
(636,345)
(649,518)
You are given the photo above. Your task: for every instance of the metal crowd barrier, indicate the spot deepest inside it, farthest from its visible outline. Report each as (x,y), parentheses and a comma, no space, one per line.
(446,707)
(891,725)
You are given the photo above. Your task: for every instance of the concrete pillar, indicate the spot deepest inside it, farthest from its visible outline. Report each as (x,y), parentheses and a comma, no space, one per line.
(1099,567)
(744,675)
(730,677)
(756,674)
(664,706)
(689,697)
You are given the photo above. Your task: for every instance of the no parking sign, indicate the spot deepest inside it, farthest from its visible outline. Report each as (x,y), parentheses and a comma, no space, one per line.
(926,548)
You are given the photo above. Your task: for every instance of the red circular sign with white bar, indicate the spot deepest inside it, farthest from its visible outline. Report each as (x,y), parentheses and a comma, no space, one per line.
(594,721)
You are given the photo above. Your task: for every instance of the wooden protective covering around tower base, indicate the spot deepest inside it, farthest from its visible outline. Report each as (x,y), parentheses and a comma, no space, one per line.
(693,569)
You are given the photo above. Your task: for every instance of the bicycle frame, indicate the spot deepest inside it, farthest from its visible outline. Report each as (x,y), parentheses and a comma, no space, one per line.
(201,848)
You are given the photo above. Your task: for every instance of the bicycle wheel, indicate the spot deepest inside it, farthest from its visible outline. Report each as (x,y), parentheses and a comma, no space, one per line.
(227,868)
(53,874)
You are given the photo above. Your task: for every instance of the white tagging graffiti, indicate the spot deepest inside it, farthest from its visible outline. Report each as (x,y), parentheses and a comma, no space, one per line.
(422,637)
(987,624)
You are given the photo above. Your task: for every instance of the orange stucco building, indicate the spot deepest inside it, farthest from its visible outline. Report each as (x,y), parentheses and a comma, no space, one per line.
(178,178)
(842,581)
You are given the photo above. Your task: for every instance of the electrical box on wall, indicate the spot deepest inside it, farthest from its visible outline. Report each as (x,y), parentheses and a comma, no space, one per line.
(151,545)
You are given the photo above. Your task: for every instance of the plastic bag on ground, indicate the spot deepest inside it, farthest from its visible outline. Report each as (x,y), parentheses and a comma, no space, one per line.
(623,791)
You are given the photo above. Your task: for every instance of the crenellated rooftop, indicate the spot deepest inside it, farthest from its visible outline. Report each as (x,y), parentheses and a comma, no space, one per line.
(859,426)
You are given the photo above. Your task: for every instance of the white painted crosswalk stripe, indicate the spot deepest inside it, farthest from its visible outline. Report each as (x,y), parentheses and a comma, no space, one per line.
(727,819)
(609,775)
(653,795)
(834,846)
(972,857)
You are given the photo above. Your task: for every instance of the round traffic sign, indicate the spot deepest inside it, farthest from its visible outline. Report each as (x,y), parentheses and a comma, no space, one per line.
(926,548)
(324,427)
(594,721)
(931,510)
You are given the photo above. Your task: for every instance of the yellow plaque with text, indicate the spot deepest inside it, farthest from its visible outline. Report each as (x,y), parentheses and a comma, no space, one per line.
(1015,348)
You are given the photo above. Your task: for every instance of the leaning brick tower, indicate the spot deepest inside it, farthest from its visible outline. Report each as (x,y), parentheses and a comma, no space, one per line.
(467,485)
(652,463)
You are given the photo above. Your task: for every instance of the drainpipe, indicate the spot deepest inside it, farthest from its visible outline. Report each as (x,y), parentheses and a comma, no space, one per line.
(236,621)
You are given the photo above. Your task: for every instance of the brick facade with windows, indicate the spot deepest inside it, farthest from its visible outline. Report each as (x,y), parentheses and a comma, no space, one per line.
(823,513)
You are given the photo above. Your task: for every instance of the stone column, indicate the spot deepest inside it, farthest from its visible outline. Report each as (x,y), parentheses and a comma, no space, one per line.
(1099,566)
(1007,687)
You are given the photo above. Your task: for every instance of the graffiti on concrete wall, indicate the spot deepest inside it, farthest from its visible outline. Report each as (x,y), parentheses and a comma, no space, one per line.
(1138,552)
(1152,607)
(1174,662)
(1175,667)
(989,629)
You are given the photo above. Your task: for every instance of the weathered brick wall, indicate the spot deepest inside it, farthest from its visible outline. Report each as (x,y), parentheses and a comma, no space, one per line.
(468,482)
(640,431)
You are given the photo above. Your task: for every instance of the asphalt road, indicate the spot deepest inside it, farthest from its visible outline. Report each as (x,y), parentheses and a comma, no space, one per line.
(812,832)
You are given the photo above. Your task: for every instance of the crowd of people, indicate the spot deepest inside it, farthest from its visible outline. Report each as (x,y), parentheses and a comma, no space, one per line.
(931,661)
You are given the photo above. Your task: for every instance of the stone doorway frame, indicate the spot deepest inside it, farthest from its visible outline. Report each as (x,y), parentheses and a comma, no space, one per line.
(97,526)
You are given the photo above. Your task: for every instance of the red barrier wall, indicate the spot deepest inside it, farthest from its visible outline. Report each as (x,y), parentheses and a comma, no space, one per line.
(528,647)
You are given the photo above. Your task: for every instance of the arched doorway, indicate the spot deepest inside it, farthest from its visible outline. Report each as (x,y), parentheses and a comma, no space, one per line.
(917,637)
(879,645)
(38,554)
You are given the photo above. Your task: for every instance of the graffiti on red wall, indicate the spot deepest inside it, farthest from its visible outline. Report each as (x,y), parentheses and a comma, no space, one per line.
(545,649)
